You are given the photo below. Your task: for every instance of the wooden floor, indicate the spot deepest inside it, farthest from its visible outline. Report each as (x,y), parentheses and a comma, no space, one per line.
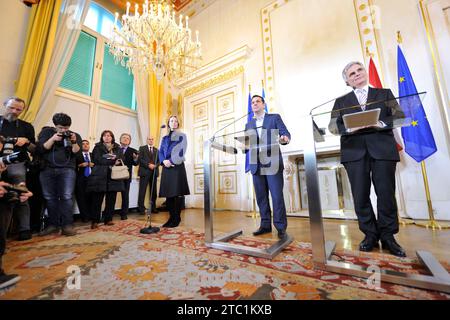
(344,232)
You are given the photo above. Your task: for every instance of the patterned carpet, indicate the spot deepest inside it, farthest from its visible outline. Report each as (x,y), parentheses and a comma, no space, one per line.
(120,263)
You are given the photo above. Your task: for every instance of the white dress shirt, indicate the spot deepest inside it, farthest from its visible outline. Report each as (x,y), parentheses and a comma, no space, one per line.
(259,123)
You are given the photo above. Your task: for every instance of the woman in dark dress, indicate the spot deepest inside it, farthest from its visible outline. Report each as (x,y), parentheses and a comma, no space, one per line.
(174,184)
(106,153)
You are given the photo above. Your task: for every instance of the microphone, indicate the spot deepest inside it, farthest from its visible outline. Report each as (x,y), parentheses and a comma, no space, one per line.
(149,229)
(230,124)
(310,113)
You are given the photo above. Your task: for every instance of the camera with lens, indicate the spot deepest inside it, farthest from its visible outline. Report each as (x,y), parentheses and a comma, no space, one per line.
(66,138)
(13,193)
(15,157)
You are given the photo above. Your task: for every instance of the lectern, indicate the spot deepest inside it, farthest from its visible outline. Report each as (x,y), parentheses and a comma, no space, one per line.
(402,112)
(221,242)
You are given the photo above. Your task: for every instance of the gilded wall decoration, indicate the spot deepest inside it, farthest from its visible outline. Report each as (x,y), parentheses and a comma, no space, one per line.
(225,104)
(199,185)
(226,159)
(214,81)
(201,112)
(200,135)
(227,182)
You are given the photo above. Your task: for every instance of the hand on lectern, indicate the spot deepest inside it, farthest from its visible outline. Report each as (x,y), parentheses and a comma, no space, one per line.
(284,140)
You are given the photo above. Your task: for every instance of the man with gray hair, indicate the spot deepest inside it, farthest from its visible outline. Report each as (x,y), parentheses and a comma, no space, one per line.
(19,136)
(370,155)
(130,156)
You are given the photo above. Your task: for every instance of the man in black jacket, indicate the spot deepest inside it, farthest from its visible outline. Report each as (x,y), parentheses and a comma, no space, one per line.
(84,169)
(20,137)
(148,166)
(369,154)
(59,147)
(130,156)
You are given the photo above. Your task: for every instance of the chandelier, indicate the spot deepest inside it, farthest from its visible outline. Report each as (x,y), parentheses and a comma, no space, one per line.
(155,41)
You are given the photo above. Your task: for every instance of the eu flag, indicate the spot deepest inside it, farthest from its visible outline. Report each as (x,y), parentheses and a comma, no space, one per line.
(249,118)
(263,94)
(418,138)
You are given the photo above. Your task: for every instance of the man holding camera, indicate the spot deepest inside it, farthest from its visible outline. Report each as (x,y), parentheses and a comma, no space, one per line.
(19,136)
(59,147)
(6,212)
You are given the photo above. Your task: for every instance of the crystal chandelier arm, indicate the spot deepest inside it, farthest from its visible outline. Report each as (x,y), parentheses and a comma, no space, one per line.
(122,36)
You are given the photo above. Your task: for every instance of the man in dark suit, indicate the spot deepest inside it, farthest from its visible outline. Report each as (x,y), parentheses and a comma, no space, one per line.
(84,168)
(130,156)
(148,173)
(266,131)
(369,154)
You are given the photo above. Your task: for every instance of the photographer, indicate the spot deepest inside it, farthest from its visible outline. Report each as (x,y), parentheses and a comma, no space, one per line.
(59,147)
(6,212)
(19,136)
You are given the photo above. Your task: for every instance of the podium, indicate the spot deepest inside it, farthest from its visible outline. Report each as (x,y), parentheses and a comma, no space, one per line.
(221,242)
(401,112)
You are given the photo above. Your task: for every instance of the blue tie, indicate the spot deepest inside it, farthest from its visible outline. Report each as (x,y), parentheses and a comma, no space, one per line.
(87,170)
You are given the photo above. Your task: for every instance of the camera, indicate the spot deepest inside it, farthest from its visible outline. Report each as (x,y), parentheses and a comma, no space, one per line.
(8,145)
(66,138)
(13,193)
(15,157)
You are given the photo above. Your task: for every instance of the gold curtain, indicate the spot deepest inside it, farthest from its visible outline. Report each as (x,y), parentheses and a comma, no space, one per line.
(39,45)
(156,94)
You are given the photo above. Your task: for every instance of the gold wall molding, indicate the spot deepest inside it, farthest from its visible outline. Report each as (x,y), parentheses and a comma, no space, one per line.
(437,65)
(368,16)
(266,30)
(214,81)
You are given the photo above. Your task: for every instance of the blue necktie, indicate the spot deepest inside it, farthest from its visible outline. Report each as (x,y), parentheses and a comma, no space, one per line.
(87,170)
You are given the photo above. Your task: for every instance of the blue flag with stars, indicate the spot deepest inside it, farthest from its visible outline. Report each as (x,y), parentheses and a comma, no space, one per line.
(249,118)
(263,94)
(418,138)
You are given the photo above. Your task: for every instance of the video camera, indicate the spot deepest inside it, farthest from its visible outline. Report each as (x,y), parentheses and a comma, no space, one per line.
(14,192)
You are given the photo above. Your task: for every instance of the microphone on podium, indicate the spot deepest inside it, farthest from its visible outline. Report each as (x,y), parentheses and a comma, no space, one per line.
(230,124)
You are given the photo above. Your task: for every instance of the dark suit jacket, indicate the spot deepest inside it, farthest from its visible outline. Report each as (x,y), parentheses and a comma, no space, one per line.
(145,158)
(80,159)
(380,143)
(128,159)
(271,121)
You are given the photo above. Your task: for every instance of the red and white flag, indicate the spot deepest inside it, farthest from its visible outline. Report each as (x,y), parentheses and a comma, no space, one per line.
(374,81)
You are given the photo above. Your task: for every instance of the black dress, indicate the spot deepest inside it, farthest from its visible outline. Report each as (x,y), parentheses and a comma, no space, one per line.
(173,180)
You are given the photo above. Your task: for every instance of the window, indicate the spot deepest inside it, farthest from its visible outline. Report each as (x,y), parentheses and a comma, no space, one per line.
(80,70)
(117,84)
(100,20)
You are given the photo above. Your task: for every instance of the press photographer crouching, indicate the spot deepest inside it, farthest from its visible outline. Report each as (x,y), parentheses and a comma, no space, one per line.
(10,195)
(19,137)
(59,147)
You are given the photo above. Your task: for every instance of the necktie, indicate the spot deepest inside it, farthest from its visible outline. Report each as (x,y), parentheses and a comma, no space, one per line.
(87,170)
(362,98)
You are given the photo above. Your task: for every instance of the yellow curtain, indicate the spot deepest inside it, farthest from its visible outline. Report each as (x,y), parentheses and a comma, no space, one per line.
(39,45)
(156,94)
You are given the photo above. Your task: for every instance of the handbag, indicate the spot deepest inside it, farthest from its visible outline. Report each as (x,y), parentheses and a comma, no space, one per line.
(120,172)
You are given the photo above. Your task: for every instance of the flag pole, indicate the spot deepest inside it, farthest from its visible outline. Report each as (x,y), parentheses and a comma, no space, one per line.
(432,224)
